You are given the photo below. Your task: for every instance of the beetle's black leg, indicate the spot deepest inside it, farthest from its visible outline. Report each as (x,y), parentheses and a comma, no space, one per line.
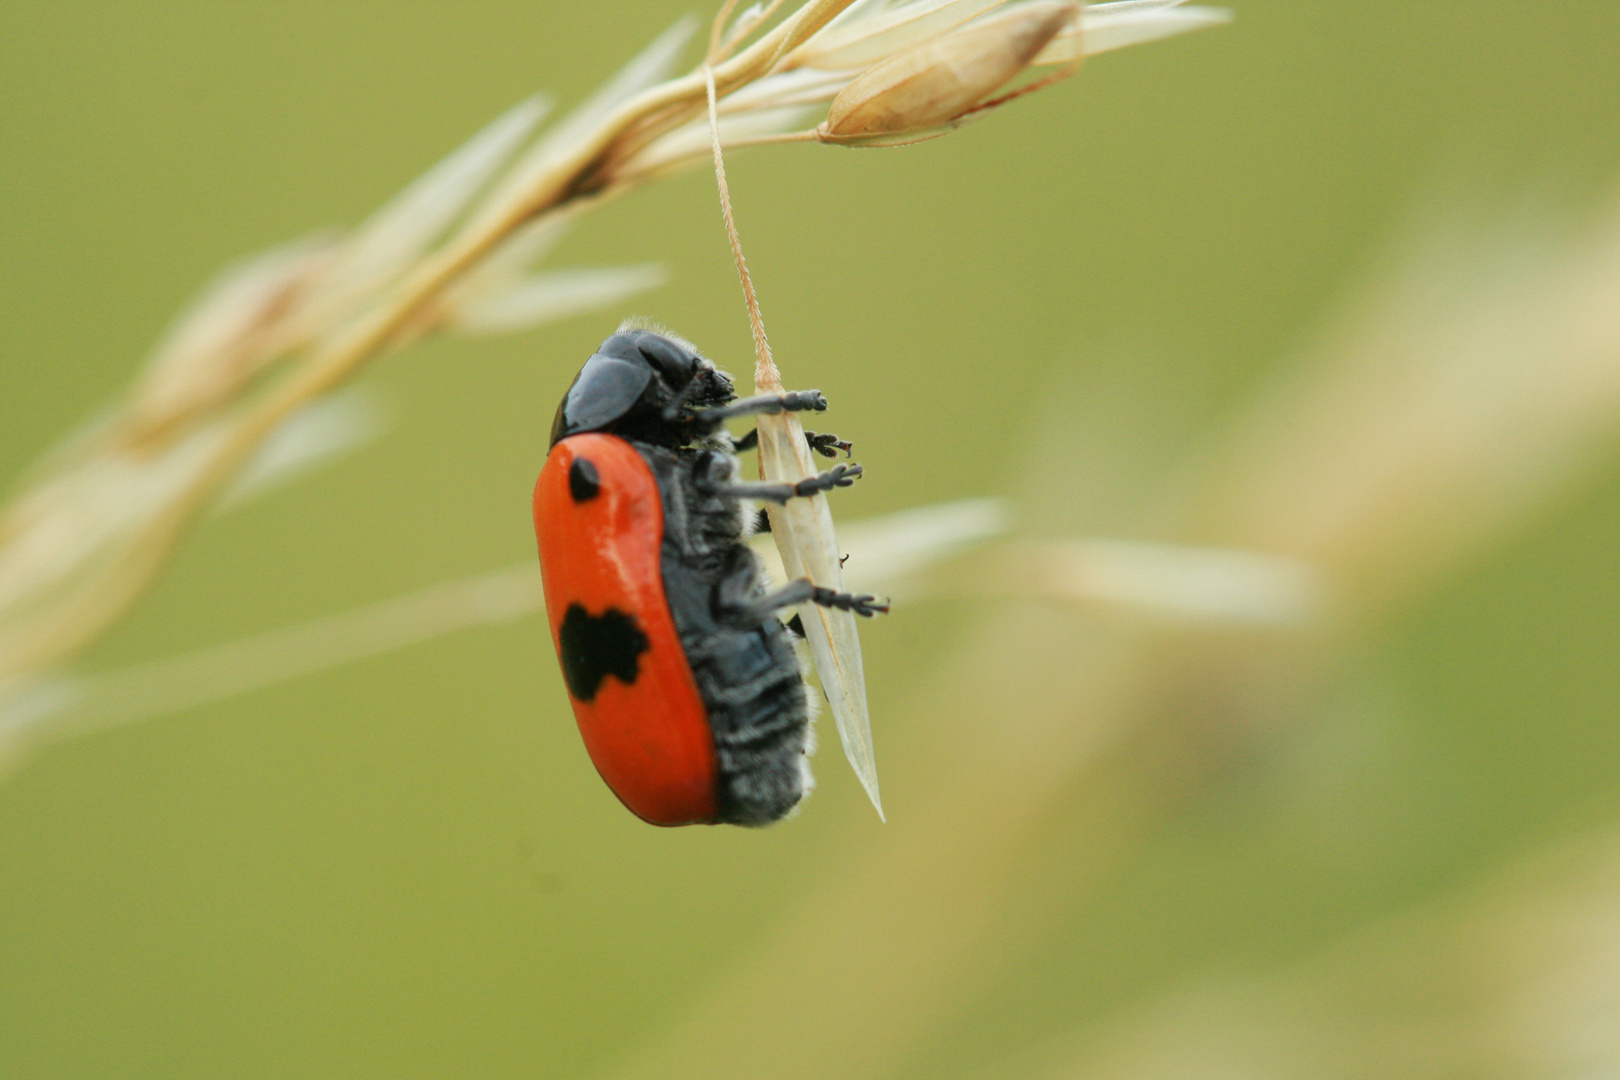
(803,592)
(835,477)
(824,443)
(864,604)
(827,444)
(736,601)
(838,476)
(793,401)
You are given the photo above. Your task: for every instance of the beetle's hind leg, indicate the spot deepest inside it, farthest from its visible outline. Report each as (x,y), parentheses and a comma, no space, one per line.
(755,609)
(803,591)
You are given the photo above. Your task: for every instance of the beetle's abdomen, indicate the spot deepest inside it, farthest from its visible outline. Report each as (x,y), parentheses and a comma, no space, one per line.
(745,666)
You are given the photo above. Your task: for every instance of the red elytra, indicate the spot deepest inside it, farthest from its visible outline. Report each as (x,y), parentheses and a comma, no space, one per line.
(648,735)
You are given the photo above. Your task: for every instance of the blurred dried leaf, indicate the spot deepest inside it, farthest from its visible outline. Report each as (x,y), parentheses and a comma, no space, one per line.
(324,429)
(394,238)
(861,43)
(225,338)
(1105,27)
(541,298)
(644,70)
(1175,581)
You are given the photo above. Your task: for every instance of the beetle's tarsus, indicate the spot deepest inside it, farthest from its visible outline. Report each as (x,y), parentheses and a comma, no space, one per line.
(836,477)
(803,591)
(827,444)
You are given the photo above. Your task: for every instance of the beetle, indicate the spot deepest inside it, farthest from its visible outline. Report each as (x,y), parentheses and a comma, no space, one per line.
(683,678)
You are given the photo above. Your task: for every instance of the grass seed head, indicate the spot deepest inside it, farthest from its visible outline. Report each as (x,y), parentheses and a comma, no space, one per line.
(94,522)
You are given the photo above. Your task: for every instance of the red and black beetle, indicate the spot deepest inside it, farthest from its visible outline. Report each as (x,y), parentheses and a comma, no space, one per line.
(682,676)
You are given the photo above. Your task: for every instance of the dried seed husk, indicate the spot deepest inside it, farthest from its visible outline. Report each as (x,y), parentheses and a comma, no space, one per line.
(932,84)
(803,531)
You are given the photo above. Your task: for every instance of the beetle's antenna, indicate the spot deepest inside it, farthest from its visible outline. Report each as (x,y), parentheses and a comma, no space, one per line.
(766,378)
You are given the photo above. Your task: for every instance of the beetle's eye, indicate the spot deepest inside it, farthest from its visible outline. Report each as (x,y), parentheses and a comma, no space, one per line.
(676,364)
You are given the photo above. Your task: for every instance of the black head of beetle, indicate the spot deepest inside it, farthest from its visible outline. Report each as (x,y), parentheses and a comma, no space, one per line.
(641,386)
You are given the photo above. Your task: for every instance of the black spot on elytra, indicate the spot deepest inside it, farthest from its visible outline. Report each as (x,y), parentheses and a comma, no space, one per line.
(596,646)
(583,482)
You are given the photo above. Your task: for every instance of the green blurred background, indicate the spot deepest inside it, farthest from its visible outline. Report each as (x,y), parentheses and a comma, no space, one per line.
(406,867)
